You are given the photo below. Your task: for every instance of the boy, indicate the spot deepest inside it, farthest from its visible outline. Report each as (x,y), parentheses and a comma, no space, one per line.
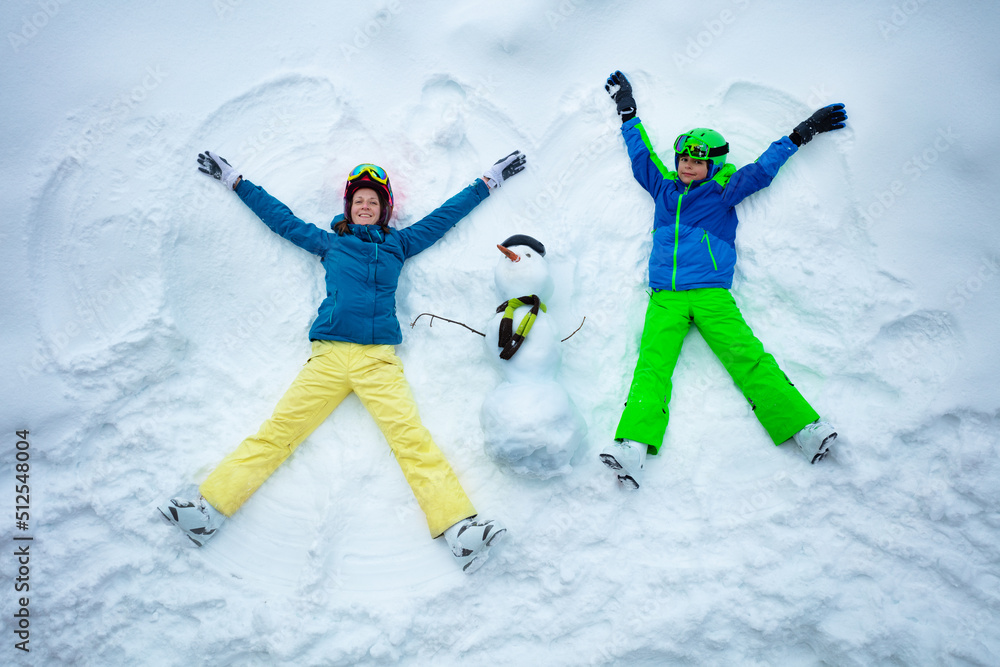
(691,272)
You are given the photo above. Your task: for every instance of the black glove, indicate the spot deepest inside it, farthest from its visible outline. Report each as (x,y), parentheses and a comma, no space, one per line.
(218,167)
(828,118)
(621,92)
(504,168)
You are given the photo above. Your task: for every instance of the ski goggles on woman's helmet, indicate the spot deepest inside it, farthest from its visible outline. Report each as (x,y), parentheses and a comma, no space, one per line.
(369,171)
(696,147)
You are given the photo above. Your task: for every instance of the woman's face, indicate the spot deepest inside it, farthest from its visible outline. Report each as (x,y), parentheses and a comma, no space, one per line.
(365,207)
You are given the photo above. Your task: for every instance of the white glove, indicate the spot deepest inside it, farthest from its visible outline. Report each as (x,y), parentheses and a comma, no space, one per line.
(216,166)
(504,168)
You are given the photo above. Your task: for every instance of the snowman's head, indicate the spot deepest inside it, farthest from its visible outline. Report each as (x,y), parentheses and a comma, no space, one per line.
(523,270)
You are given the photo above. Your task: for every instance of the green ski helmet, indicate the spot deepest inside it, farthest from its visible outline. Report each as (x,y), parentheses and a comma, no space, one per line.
(702,143)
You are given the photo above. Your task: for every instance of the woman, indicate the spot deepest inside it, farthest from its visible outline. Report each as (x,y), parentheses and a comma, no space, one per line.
(353,341)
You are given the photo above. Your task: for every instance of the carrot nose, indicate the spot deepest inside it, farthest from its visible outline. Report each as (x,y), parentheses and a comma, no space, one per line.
(511,255)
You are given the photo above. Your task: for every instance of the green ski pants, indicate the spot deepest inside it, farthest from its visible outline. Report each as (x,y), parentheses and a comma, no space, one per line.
(778,405)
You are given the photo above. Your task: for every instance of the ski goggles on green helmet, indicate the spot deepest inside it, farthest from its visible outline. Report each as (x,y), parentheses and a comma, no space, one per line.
(696,147)
(369,171)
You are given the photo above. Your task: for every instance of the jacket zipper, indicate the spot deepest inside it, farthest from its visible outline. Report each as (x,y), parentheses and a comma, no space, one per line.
(375,288)
(707,241)
(677,237)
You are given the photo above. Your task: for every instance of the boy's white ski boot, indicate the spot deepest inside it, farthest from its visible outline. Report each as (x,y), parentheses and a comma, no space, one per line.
(471,539)
(626,458)
(198,519)
(815,440)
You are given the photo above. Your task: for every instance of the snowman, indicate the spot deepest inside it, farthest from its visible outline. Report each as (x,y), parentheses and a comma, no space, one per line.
(531,425)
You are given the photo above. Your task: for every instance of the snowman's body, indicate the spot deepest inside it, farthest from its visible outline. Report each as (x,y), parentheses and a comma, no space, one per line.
(530,423)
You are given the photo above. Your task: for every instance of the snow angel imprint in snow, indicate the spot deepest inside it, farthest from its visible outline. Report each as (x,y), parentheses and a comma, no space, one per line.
(353,341)
(690,272)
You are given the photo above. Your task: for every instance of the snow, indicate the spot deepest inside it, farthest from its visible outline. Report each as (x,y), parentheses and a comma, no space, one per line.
(151,322)
(530,424)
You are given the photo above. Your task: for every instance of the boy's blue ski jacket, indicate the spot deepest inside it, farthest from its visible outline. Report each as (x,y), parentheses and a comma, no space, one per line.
(362,268)
(694,226)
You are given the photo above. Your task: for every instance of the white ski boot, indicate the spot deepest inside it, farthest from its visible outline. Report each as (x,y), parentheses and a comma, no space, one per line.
(627,459)
(198,520)
(815,440)
(471,539)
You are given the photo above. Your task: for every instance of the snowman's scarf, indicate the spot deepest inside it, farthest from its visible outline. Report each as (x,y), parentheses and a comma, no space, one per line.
(510,340)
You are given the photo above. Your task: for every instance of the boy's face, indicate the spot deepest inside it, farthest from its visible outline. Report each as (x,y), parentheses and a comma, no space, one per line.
(690,169)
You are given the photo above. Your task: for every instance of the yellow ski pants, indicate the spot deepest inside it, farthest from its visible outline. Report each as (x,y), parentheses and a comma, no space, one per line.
(333,371)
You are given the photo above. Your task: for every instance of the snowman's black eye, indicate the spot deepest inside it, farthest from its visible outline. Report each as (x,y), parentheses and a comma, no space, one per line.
(527,254)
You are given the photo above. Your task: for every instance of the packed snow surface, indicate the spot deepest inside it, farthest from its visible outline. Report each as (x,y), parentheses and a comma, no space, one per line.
(151,322)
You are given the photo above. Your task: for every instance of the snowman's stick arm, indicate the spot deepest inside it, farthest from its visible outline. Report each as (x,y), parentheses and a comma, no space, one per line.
(574,331)
(432,316)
